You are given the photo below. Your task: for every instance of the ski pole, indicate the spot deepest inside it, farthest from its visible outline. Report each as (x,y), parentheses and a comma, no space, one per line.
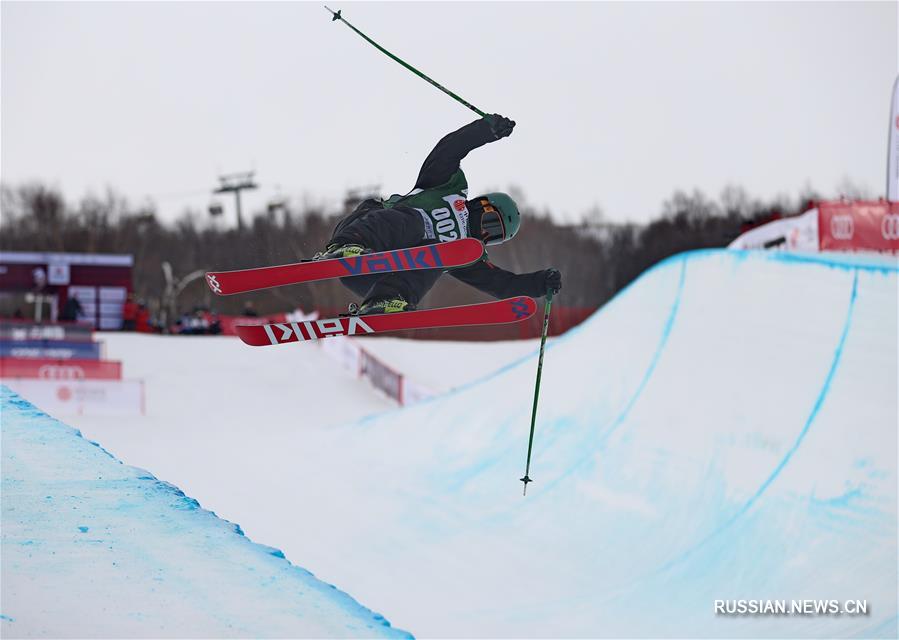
(546,309)
(336,16)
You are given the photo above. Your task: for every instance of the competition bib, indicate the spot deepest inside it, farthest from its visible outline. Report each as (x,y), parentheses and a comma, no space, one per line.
(448,222)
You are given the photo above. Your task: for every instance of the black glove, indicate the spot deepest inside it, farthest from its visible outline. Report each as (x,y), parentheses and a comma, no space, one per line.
(552,280)
(499,125)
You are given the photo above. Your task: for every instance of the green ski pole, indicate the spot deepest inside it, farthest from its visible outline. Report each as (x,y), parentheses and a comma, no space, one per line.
(546,309)
(336,16)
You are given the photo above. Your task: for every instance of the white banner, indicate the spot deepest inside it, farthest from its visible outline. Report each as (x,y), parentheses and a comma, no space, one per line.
(110,323)
(113,294)
(58,273)
(83,397)
(414,392)
(797,233)
(893,152)
(343,350)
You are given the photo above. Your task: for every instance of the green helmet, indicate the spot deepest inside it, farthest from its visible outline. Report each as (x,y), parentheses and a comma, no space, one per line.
(500,219)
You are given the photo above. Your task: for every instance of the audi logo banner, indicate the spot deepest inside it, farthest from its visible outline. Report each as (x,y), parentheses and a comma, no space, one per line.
(859,226)
(890,227)
(842,226)
(49,369)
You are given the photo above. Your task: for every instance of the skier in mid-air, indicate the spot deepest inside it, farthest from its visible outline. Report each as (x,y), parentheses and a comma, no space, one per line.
(437,210)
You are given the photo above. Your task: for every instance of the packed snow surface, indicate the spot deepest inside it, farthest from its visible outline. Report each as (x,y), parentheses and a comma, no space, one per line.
(225,421)
(724,429)
(93,548)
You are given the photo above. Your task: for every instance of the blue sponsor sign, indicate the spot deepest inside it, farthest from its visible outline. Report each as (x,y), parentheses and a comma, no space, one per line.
(53,349)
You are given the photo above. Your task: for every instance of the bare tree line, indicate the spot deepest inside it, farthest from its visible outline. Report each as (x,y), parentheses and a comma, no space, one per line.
(598,258)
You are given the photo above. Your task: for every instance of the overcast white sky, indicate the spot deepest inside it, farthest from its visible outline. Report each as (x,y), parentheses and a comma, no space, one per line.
(617,104)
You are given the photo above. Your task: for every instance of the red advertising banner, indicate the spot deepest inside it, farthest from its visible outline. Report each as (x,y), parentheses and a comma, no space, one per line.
(859,226)
(46,369)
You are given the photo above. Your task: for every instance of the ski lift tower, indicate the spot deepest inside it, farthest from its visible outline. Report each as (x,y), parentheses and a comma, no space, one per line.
(235,183)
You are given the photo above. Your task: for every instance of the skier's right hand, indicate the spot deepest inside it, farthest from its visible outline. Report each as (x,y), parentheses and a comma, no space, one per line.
(552,280)
(501,126)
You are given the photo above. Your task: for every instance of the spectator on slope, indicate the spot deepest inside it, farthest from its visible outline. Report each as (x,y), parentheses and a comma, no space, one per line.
(211,322)
(437,210)
(142,320)
(129,314)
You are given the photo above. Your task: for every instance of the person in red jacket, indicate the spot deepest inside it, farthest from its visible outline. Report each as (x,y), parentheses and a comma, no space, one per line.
(142,321)
(129,314)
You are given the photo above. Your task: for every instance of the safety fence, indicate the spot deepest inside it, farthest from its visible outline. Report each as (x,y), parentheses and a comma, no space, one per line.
(354,358)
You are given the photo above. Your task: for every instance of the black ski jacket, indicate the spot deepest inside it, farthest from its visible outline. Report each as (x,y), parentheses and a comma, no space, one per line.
(440,165)
(383,225)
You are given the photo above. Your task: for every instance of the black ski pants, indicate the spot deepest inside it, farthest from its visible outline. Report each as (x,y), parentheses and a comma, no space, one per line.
(381,229)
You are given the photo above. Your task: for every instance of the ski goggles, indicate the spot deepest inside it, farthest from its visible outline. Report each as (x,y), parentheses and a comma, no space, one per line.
(493,229)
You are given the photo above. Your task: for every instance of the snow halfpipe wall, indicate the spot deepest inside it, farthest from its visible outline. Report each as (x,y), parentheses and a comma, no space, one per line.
(724,429)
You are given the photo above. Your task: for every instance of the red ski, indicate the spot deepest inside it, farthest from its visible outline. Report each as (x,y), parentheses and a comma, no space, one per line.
(446,255)
(498,312)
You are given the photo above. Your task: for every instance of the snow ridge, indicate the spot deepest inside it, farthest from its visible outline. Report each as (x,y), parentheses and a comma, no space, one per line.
(94,548)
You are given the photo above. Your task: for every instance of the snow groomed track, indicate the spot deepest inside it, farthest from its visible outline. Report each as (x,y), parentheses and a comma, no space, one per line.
(724,429)
(93,548)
